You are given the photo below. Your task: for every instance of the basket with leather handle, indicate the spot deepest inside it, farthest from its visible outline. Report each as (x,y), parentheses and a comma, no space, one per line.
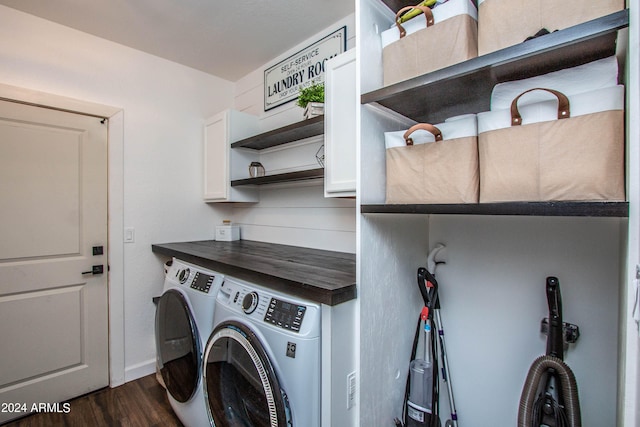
(570,157)
(439,38)
(504,23)
(433,164)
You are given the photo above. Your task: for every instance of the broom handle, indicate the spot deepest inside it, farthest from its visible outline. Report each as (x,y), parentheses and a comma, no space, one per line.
(445,368)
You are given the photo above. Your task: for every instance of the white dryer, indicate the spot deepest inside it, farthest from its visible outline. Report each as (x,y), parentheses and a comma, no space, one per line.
(184,321)
(262,361)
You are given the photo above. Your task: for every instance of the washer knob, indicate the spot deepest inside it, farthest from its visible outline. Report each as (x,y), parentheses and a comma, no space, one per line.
(250,302)
(183,275)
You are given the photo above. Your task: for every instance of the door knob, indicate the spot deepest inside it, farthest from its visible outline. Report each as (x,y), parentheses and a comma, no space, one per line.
(96,269)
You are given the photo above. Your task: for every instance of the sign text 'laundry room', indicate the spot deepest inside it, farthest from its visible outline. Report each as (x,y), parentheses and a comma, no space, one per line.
(283,81)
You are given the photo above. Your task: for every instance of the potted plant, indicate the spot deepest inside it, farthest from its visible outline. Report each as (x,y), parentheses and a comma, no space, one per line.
(311,98)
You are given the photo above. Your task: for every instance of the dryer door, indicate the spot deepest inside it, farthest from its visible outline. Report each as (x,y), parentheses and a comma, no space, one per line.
(178,345)
(240,383)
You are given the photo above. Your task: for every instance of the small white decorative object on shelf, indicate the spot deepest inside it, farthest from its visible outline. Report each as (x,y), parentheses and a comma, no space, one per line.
(227,232)
(313,109)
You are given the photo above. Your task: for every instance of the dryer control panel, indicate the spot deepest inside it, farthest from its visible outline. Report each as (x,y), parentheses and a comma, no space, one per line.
(285,314)
(262,305)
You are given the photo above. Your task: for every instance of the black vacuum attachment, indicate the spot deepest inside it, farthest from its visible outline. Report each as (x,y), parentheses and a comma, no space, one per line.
(550,393)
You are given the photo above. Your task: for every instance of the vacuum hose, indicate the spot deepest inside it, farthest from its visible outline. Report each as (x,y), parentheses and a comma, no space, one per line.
(529,414)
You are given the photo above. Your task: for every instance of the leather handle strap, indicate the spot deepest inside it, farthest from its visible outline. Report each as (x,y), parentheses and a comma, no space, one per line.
(563,106)
(428,14)
(422,126)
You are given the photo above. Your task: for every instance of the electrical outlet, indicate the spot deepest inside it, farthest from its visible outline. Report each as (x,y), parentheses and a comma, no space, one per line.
(351,390)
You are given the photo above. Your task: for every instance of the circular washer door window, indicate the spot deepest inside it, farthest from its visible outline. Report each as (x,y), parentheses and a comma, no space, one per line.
(178,345)
(240,383)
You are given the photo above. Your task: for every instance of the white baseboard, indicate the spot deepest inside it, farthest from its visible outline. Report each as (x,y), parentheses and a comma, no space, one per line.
(139,370)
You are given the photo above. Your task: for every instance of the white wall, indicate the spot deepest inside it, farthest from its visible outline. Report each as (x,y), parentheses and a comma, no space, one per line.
(493,299)
(164,106)
(492,291)
(294,215)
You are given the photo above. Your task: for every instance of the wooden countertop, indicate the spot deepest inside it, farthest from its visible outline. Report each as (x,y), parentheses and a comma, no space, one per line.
(322,276)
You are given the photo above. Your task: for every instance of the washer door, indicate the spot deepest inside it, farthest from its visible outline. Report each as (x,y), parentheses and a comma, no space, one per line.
(240,383)
(178,345)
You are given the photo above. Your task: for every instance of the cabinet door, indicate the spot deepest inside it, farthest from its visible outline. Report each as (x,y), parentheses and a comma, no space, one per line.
(341,104)
(223,163)
(216,158)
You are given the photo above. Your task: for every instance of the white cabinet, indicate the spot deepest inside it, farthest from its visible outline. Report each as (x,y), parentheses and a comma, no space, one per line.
(220,162)
(341,102)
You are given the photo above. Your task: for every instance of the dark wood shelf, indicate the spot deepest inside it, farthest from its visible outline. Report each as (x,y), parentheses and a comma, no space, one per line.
(584,209)
(466,87)
(281,177)
(284,135)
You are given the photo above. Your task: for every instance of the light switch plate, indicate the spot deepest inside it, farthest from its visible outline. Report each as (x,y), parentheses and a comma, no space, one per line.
(129,235)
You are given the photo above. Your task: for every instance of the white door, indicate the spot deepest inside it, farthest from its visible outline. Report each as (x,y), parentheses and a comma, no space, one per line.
(53,212)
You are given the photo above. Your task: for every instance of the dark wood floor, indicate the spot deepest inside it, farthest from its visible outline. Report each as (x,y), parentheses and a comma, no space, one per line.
(140,403)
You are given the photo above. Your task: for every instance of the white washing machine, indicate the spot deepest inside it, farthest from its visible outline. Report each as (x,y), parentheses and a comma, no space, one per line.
(262,361)
(184,321)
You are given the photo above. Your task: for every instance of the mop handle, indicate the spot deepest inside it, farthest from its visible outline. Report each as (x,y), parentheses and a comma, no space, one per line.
(445,368)
(424,316)
(429,276)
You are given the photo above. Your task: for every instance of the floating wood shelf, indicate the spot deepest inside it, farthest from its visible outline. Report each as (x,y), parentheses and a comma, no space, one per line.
(585,209)
(466,87)
(284,135)
(281,177)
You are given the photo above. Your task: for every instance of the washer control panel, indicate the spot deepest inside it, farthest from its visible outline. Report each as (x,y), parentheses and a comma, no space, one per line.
(285,314)
(181,273)
(202,282)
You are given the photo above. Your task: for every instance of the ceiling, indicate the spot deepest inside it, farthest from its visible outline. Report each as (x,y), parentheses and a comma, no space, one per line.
(226,38)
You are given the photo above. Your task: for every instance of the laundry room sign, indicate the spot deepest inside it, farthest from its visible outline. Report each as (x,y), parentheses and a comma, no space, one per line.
(283,81)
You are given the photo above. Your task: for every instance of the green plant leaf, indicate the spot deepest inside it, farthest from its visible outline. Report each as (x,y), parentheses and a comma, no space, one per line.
(313,93)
